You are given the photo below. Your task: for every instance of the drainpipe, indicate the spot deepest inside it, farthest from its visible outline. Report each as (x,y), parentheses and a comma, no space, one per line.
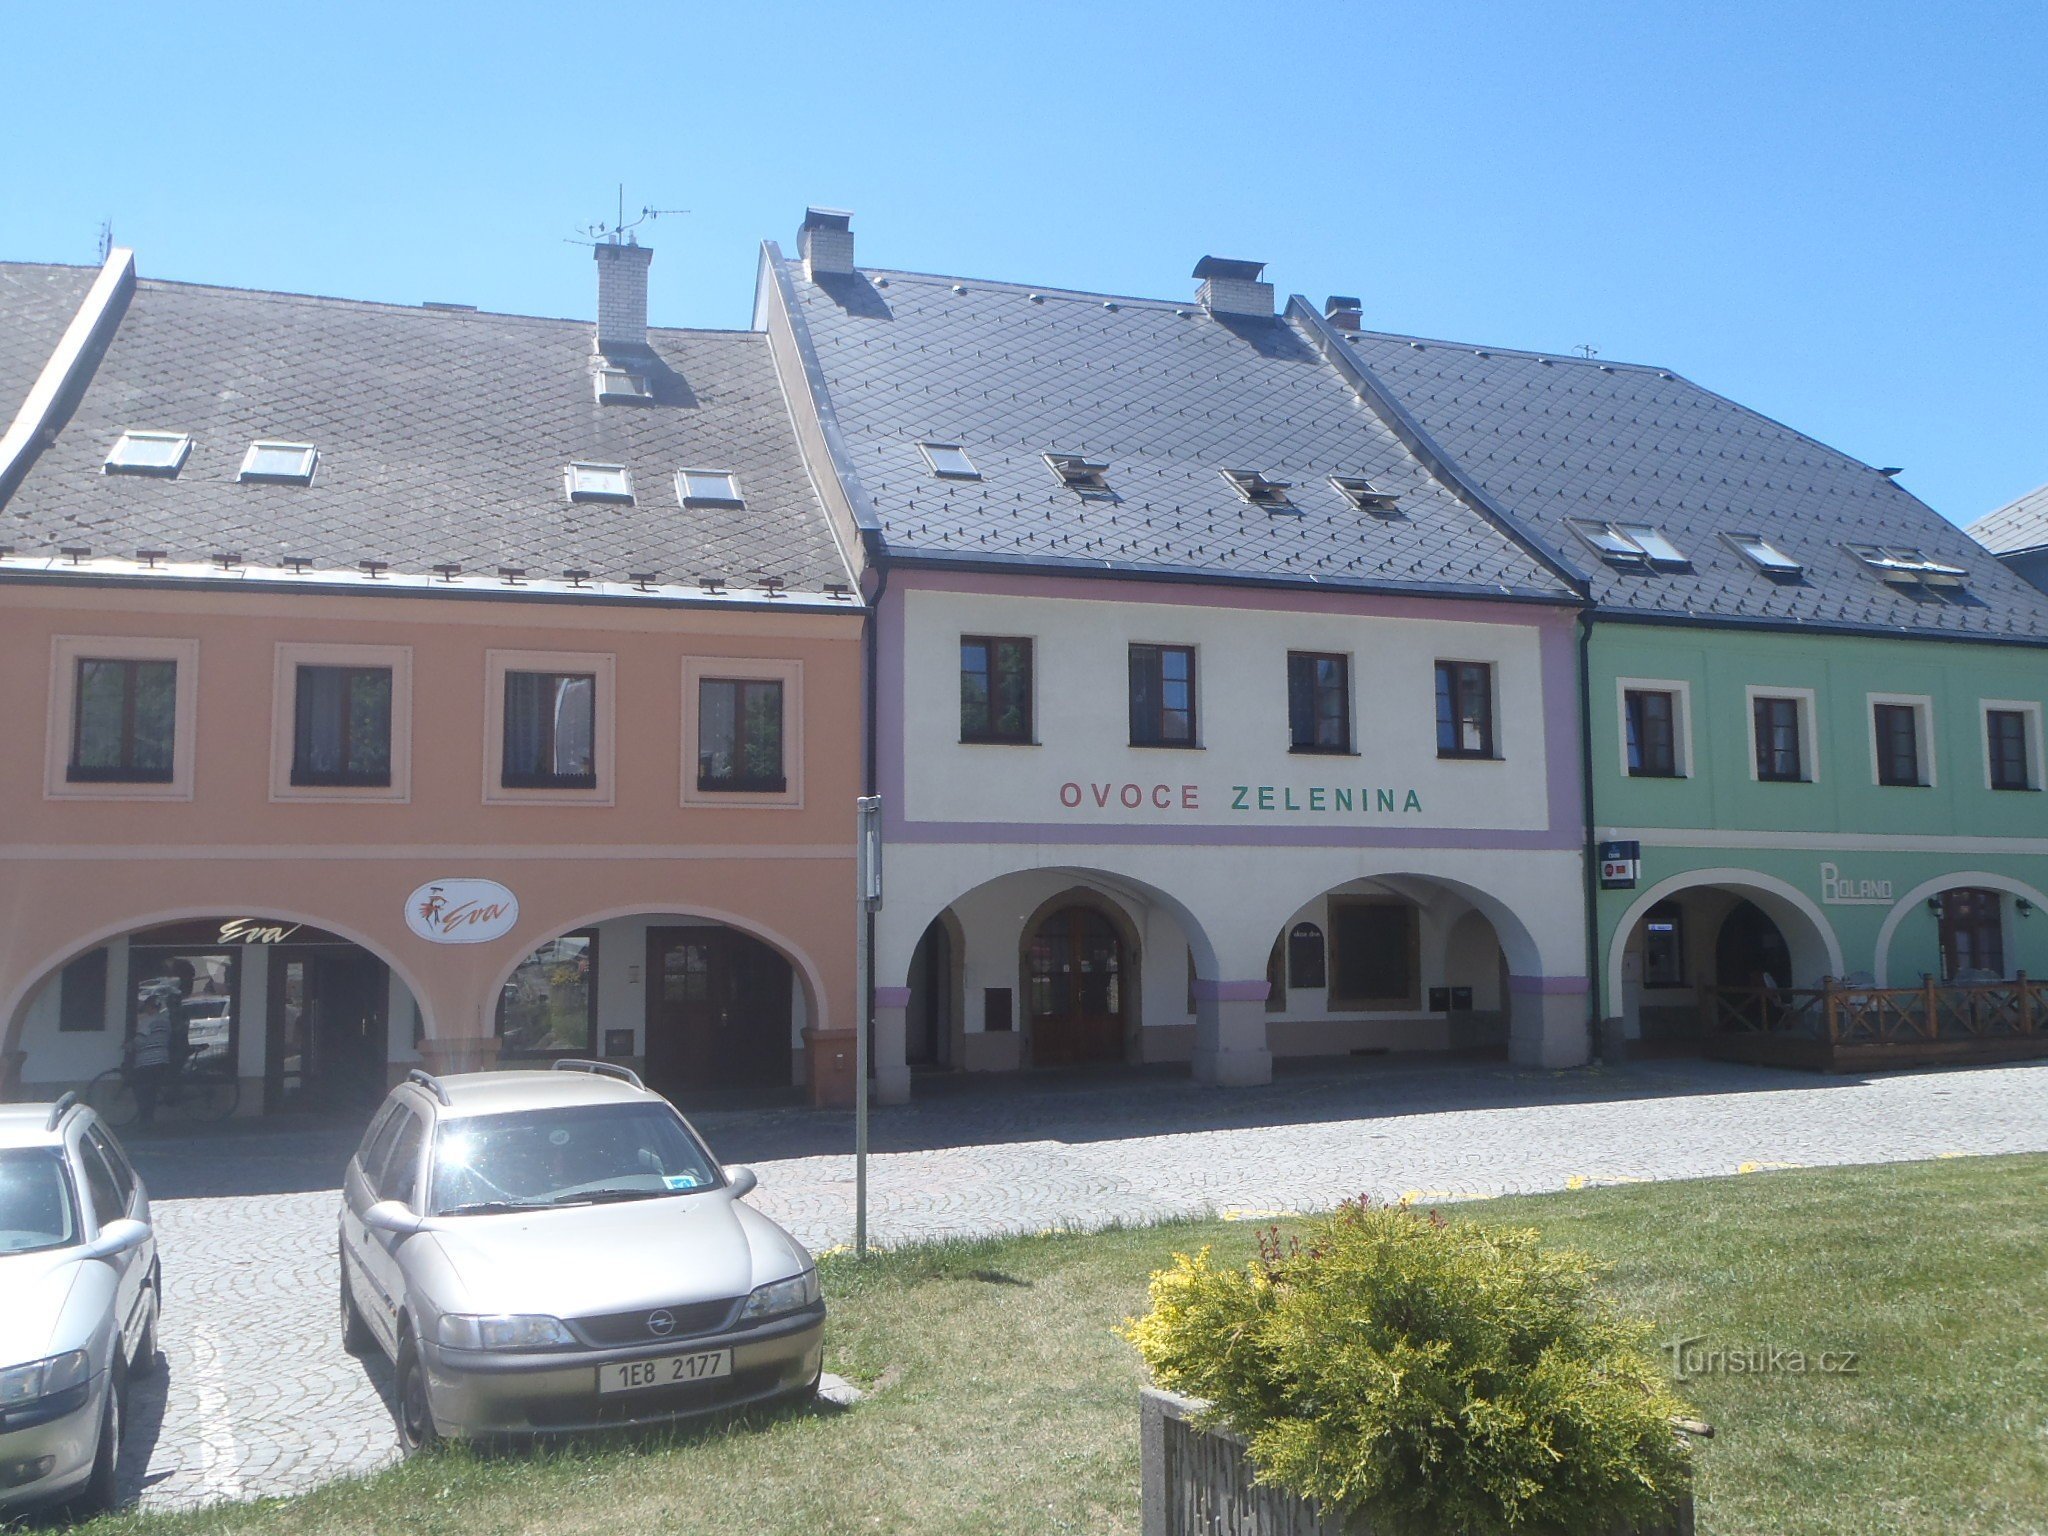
(1586,864)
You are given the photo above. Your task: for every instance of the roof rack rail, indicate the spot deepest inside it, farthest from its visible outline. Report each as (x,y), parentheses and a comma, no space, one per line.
(601,1068)
(431,1083)
(66,1102)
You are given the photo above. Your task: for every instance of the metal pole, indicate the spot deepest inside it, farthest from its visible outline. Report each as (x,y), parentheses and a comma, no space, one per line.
(868,872)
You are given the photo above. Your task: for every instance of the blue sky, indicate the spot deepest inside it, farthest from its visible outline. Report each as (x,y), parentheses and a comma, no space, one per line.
(1835,214)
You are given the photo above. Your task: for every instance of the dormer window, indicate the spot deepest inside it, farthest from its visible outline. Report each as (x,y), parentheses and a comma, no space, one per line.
(1079,474)
(1632,546)
(1366,496)
(1908,567)
(1766,557)
(949,461)
(1260,491)
(708,488)
(599,482)
(622,386)
(148,453)
(280,463)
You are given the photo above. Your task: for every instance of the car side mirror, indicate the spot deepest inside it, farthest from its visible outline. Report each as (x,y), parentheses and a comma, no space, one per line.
(117,1238)
(395,1217)
(741,1181)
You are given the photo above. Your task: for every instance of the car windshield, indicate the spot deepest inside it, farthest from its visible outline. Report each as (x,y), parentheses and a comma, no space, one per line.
(36,1209)
(576,1156)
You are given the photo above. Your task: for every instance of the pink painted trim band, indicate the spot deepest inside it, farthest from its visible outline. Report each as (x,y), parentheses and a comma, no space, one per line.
(1233,991)
(1111,835)
(1554,986)
(892,997)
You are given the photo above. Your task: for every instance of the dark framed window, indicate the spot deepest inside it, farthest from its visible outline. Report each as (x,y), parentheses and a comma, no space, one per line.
(550,730)
(995,689)
(1898,744)
(1652,724)
(82,994)
(549,1005)
(1780,758)
(1374,954)
(739,735)
(1664,945)
(342,727)
(1464,709)
(124,716)
(2006,730)
(1162,696)
(1305,966)
(1318,702)
(1972,928)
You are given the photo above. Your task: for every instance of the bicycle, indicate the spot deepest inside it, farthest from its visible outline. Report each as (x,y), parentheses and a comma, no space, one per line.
(201,1097)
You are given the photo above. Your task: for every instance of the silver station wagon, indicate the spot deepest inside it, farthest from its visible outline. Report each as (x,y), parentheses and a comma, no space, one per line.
(79,1286)
(549,1251)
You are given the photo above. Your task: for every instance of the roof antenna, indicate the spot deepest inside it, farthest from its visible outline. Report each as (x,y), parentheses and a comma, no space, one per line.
(618,232)
(1586,349)
(106,239)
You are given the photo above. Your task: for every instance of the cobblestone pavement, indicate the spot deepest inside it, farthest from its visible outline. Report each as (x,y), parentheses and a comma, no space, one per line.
(260,1399)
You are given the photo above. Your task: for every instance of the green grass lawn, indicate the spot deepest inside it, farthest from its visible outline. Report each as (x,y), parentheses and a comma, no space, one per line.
(1001,1402)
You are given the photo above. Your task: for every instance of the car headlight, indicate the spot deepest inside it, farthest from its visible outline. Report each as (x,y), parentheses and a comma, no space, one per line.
(782,1296)
(501,1331)
(44,1378)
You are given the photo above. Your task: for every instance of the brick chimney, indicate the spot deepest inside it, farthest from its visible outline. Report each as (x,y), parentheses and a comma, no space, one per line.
(622,298)
(826,241)
(1233,288)
(1343,311)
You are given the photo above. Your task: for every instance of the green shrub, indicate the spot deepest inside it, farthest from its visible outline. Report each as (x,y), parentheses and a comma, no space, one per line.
(1437,1378)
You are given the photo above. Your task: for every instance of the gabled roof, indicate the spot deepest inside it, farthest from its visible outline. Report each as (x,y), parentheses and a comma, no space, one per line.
(2016,528)
(442,435)
(1555,439)
(1167,398)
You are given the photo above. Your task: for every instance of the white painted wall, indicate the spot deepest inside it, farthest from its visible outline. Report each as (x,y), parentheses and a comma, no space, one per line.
(1082,710)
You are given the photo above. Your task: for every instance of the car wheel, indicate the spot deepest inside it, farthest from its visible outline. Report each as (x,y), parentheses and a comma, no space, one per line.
(102,1488)
(356,1337)
(148,1361)
(416,1430)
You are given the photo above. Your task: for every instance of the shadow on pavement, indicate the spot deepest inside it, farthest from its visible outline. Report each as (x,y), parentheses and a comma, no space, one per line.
(949,1110)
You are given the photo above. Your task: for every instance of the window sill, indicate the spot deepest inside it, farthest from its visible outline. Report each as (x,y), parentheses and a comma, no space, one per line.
(1293,751)
(760,787)
(1469,757)
(116,778)
(1637,773)
(1765,778)
(997,741)
(1882,785)
(1167,746)
(2019,789)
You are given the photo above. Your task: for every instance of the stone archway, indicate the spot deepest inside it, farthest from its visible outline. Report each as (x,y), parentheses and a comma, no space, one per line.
(1815,949)
(1912,900)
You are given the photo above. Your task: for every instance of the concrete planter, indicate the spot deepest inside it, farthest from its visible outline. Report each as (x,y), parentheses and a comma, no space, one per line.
(1197,1482)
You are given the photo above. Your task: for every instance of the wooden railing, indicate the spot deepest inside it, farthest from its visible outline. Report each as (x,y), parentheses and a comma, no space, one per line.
(1844,1014)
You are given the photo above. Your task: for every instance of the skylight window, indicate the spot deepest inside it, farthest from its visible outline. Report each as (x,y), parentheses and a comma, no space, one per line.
(1260,491)
(1366,496)
(709,488)
(148,453)
(1766,557)
(623,386)
(1908,567)
(280,463)
(1633,546)
(599,482)
(1079,474)
(949,461)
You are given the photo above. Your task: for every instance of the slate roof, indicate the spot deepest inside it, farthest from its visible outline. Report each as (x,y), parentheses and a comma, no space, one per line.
(443,437)
(36,304)
(2017,527)
(1550,439)
(1167,396)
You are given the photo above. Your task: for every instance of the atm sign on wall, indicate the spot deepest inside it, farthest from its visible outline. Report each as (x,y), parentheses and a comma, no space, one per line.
(1621,865)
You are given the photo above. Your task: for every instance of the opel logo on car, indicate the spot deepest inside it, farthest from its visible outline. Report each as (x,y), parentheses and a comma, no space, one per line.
(662,1323)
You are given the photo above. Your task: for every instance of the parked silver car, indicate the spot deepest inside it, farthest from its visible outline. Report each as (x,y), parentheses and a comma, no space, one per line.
(79,1293)
(545,1251)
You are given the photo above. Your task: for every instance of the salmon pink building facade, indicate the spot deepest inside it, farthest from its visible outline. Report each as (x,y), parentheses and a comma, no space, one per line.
(398,686)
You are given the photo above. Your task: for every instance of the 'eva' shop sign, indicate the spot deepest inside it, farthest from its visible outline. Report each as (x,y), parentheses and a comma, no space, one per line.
(461,911)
